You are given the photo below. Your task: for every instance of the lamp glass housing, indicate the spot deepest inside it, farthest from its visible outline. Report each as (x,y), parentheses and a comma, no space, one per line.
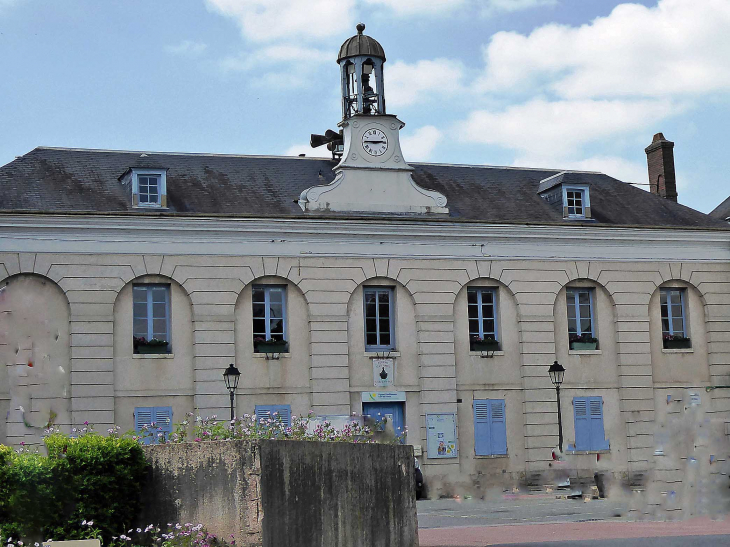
(556,372)
(231,377)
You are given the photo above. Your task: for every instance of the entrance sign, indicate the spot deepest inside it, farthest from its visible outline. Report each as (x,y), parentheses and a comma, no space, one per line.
(441,438)
(371,396)
(382,372)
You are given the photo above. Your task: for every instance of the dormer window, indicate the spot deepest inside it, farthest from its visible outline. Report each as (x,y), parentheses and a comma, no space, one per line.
(576,203)
(149,188)
(574,200)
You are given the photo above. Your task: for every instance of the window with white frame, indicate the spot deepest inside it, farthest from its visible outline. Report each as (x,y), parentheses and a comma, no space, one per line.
(673,313)
(151,318)
(269,314)
(482,307)
(149,188)
(576,203)
(379,318)
(580,315)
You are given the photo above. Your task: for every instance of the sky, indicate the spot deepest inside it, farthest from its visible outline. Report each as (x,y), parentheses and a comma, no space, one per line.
(565,84)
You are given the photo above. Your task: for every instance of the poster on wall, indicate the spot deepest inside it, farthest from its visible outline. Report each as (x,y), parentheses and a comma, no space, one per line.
(382,372)
(441,440)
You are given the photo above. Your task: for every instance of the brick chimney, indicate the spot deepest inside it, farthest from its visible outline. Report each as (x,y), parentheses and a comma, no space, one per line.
(660,157)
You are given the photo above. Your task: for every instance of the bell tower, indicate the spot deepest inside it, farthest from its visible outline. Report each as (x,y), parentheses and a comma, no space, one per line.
(372,175)
(361,61)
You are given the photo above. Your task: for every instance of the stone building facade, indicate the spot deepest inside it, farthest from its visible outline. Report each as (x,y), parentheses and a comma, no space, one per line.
(98,248)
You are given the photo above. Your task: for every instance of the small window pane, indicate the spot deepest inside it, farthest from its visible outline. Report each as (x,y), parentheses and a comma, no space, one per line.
(677,326)
(159,310)
(277,327)
(371,339)
(471,297)
(259,309)
(384,338)
(474,326)
(140,328)
(275,295)
(473,312)
(259,326)
(257,295)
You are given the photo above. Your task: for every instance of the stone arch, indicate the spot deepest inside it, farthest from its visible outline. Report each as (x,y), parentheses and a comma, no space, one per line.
(285,380)
(153,380)
(406,346)
(35,357)
(469,364)
(680,366)
(599,367)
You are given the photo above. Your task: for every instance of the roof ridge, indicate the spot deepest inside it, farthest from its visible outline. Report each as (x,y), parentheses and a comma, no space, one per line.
(273,156)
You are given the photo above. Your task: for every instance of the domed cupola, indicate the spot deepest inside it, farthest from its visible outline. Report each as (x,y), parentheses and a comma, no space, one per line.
(361,61)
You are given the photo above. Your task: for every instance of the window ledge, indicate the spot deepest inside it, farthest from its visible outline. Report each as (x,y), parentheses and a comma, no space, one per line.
(585,352)
(491,456)
(153,356)
(263,355)
(377,354)
(678,350)
(479,353)
(579,452)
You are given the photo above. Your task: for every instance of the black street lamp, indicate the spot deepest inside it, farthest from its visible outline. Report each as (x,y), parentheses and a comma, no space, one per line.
(231,376)
(556,372)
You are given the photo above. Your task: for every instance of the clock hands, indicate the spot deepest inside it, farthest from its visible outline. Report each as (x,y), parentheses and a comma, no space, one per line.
(375,142)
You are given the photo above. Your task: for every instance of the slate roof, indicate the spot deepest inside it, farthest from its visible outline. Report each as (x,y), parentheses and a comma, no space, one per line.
(722,211)
(60,180)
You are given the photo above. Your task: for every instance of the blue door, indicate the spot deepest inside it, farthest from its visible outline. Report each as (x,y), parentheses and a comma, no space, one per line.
(393,411)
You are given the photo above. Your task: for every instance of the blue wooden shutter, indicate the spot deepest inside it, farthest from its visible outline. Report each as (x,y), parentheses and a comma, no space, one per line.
(163,420)
(498,426)
(266,411)
(482,443)
(143,416)
(595,411)
(582,423)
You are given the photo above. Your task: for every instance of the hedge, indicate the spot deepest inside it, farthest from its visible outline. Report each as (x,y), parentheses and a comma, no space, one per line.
(91,477)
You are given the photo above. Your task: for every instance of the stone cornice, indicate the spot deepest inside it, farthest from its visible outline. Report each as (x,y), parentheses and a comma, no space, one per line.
(353,238)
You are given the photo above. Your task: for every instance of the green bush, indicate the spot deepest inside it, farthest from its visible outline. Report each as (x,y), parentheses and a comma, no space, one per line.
(86,478)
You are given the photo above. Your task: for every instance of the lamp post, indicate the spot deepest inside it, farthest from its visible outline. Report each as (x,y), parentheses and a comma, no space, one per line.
(231,376)
(556,372)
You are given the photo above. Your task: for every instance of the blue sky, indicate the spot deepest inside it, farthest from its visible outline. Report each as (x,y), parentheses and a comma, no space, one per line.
(580,84)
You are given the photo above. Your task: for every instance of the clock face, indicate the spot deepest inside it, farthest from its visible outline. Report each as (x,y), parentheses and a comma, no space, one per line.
(375,142)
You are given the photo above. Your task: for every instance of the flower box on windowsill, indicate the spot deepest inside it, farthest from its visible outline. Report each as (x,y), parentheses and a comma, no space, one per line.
(153,345)
(271,346)
(677,343)
(582,346)
(484,345)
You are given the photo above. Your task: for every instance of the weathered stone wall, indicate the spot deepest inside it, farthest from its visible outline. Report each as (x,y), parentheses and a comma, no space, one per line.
(213,483)
(286,493)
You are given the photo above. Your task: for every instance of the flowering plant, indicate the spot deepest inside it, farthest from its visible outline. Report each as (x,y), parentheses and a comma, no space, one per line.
(142,341)
(677,337)
(477,338)
(584,338)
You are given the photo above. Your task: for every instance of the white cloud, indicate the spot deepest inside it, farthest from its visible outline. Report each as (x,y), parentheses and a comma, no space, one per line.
(679,47)
(558,128)
(434,7)
(186,47)
(424,80)
(269,20)
(419,7)
(516,5)
(420,145)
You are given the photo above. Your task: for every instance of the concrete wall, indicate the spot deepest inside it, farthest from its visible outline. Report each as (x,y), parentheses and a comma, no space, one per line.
(286,493)
(337,494)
